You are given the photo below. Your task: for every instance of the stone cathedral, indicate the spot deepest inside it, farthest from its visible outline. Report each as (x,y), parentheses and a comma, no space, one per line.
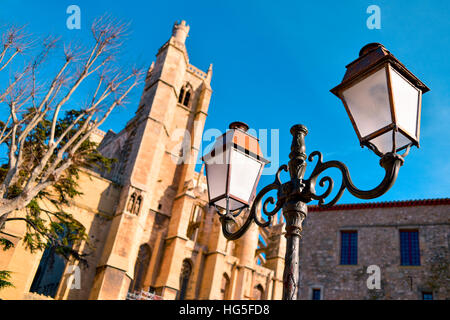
(148,219)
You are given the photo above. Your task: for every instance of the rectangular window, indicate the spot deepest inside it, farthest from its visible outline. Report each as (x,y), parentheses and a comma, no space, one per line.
(349,247)
(427,296)
(316,294)
(409,248)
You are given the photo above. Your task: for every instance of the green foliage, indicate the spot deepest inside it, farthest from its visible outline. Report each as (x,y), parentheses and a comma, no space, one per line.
(4,279)
(55,228)
(6,244)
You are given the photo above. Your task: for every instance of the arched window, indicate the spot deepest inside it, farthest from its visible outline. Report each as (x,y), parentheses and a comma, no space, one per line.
(186,271)
(140,268)
(225,287)
(134,204)
(131,202)
(51,268)
(49,273)
(137,206)
(185,95)
(258,292)
(194,223)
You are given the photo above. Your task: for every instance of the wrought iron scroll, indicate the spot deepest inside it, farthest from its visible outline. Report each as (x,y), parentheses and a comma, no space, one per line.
(391,162)
(228,219)
(304,190)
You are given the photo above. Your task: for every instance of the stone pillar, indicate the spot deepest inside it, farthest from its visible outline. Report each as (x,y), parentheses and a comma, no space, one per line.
(276,250)
(150,275)
(214,262)
(245,251)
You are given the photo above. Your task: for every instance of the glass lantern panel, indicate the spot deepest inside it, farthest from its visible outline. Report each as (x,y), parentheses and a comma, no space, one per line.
(244,174)
(368,102)
(217,172)
(406,103)
(384,141)
(233,204)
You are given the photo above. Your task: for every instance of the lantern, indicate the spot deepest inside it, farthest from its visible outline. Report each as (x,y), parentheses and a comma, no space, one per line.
(233,168)
(382,99)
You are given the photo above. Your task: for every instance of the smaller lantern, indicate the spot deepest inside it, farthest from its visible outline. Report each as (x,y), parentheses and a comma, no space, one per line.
(233,168)
(382,99)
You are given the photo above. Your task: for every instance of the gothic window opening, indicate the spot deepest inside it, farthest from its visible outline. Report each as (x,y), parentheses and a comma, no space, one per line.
(134,204)
(137,207)
(50,270)
(260,256)
(186,271)
(140,268)
(260,259)
(185,95)
(225,287)
(258,292)
(194,223)
(49,273)
(181,95)
(131,202)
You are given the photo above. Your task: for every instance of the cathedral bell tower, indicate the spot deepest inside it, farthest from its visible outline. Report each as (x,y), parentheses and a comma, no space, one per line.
(157,151)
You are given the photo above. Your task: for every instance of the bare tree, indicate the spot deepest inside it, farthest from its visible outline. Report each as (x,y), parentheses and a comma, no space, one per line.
(46,129)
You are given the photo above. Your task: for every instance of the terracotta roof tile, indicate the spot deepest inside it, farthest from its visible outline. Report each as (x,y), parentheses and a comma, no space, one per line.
(387,204)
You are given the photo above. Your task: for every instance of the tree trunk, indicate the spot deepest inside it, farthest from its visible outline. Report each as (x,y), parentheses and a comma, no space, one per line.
(9,205)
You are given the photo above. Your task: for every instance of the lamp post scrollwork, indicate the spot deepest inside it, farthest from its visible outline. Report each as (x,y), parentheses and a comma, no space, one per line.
(383,101)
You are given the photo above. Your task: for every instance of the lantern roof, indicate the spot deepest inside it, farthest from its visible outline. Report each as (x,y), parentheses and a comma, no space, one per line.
(370,57)
(239,138)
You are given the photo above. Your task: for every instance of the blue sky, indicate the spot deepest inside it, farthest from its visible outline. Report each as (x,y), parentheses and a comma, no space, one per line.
(275,62)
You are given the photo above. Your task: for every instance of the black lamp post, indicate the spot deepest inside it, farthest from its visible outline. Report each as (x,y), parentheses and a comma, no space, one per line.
(383,101)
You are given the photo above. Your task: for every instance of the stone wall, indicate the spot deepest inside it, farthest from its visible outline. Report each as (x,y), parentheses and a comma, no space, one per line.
(94,209)
(378,227)
(148,199)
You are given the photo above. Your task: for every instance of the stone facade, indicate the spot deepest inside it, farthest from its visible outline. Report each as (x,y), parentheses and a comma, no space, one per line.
(151,228)
(148,219)
(378,227)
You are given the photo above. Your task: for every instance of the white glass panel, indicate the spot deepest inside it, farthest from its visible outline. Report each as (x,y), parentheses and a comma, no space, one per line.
(384,142)
(217,172)
(244,172)
(233,204)
(368,101)
(406,103)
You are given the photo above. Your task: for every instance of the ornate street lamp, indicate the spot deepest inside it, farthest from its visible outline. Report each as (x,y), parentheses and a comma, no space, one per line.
(383,101)
(233,169)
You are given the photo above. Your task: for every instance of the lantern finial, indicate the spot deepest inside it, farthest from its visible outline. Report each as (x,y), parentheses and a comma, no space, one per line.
(239,125)
(369,47)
